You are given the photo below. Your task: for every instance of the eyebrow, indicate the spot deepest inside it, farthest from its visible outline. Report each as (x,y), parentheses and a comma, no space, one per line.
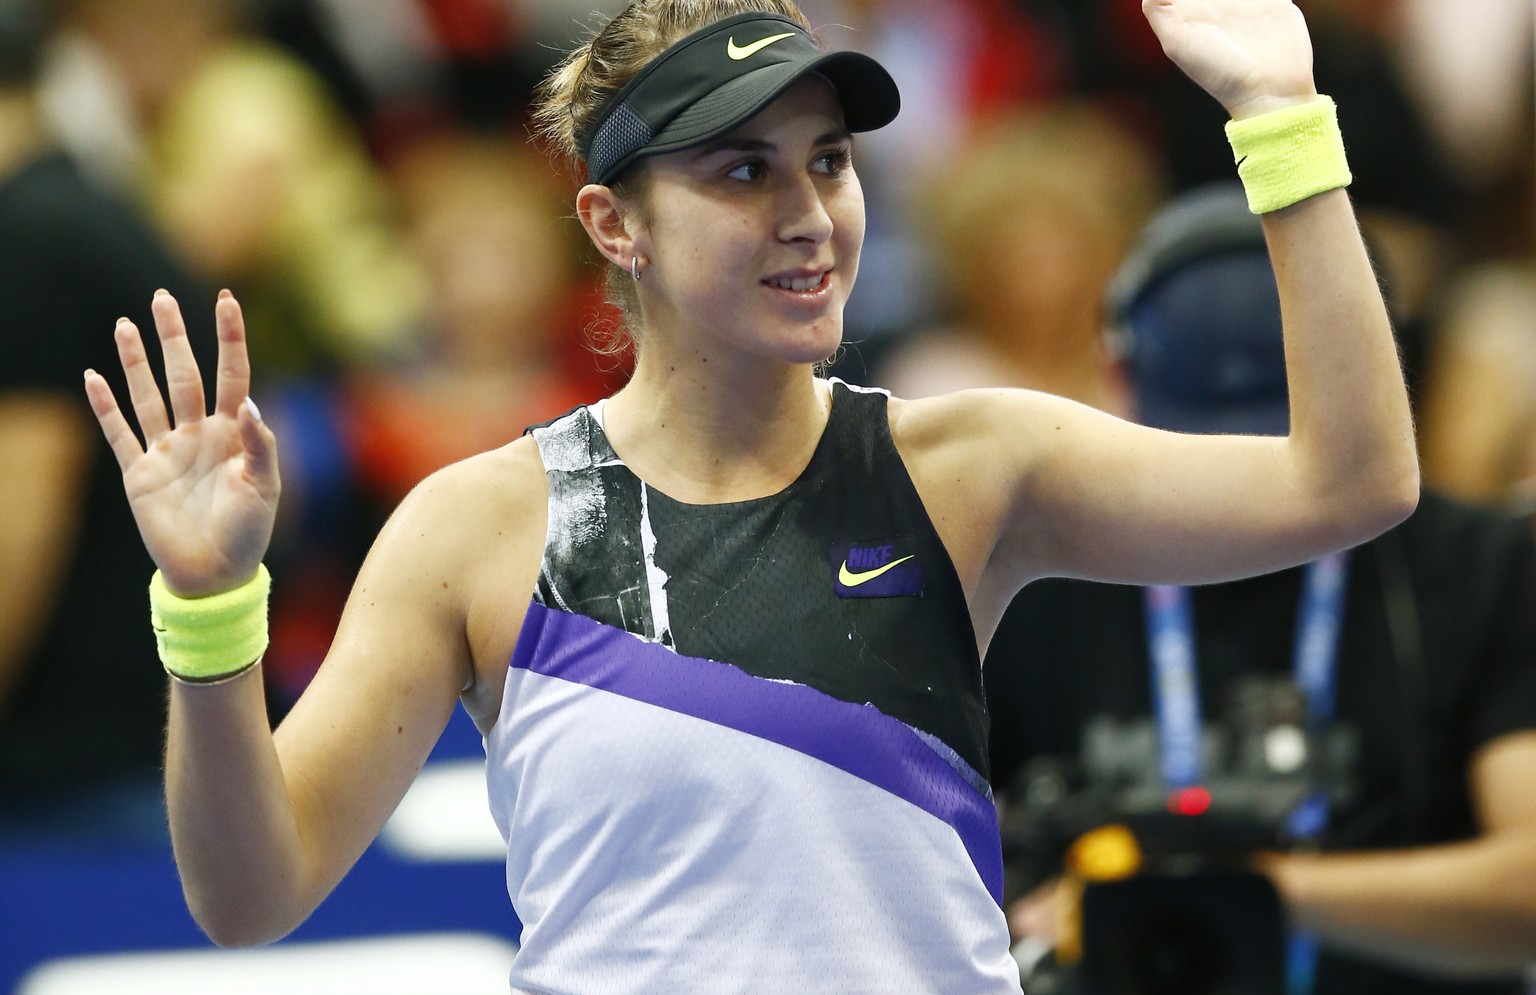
(731,143)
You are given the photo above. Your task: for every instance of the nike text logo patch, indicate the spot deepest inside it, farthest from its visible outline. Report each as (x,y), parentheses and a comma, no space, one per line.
(739,52)
(875,568)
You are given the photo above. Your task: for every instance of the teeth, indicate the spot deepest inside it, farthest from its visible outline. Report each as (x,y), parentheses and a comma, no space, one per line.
(800,285)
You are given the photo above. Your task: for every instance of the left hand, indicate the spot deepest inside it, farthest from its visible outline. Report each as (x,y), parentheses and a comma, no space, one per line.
(1038,915)
(1252,55)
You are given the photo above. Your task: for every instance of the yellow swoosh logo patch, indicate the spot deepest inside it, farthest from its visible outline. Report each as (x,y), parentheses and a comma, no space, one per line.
(737,52)
(848,578)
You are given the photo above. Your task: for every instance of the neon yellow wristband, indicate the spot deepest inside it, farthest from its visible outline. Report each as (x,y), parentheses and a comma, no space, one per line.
(1288,155)
(207,639)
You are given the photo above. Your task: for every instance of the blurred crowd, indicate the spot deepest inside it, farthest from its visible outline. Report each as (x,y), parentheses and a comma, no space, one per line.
(361,174)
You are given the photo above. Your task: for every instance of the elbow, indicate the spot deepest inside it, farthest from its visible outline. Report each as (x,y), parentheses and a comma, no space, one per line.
(1392,481)
(234,925)
(1399,497)
(231,939)
(1378,502)
(233,934)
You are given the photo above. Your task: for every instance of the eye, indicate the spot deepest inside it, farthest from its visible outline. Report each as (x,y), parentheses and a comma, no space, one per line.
(834,162)
(748,171)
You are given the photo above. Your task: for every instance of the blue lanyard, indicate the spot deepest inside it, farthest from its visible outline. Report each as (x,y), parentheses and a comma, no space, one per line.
(1176,701)
(1175,685)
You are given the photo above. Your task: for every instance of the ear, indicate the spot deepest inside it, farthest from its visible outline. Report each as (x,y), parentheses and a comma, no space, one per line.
(607,220)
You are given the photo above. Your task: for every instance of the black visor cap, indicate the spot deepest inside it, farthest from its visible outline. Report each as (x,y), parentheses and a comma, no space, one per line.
(712,81)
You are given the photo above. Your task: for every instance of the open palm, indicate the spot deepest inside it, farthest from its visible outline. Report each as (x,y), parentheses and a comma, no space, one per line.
(1252,55)
(203,490)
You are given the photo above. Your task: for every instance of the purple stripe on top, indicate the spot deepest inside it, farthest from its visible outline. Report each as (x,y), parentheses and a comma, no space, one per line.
(858,739)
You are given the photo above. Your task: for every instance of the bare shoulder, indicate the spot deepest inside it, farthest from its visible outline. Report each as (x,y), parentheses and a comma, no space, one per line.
(460,556)
(471,523)
(986,463)
(968,454)
(980,432)
(460,503)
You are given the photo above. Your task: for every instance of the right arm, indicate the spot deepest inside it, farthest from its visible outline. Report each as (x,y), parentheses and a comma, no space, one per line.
(1460,909)
(264,825)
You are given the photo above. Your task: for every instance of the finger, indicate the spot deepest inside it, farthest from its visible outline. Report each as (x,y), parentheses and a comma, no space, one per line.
(233,383)
(148,405)
(260,450)
(125,445)
(182,380)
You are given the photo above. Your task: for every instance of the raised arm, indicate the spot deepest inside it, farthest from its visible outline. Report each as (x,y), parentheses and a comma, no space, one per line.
(1075,492)
(264,827)
(1133,504)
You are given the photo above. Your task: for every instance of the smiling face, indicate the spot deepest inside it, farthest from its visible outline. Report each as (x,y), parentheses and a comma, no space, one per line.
(752,241)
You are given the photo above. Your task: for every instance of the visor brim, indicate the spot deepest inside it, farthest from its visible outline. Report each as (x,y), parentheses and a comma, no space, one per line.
(869,96)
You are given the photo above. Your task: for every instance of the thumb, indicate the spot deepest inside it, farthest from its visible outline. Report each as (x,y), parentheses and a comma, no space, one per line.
(1159,14)
(1165,17)
(260,449)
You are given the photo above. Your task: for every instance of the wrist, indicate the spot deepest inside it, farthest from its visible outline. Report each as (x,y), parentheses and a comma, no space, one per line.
(1287,155)
(195,587)
(1265,103)
(1287,871)
(214,638)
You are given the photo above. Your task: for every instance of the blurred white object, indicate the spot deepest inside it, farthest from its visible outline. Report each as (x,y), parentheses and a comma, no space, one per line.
(1468,67)
(445,816)
(462,963)
(388,43)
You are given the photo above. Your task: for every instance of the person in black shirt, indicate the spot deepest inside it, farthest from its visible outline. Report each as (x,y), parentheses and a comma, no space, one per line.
(1427,879)
(79,714)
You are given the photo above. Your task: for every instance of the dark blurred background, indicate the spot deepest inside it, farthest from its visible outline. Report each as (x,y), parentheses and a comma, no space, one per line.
(361,173)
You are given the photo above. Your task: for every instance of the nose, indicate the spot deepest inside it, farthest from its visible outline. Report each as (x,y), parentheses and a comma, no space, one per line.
(802,212)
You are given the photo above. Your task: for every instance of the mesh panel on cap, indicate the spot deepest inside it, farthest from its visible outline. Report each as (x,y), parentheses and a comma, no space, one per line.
(624,132)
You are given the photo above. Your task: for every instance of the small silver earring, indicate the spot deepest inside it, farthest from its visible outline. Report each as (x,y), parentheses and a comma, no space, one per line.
(634,267)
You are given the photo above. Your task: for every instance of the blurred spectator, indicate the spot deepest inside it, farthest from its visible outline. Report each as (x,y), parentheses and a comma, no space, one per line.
(1468,68)
(1025,229)
(260,181)
(1478,431)
(399,64)
(959,63)
(501,350)
(488,219)
(1403,671)
(82,701)
(1472,72)
(1411,203)
(249,166)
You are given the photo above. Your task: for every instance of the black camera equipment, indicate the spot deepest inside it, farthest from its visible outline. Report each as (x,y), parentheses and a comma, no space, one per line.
(1192,919)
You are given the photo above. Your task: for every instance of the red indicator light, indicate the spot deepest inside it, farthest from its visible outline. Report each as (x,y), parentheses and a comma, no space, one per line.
(1189,801)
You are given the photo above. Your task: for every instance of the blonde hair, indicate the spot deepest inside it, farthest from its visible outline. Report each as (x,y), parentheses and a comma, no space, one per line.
(570,99)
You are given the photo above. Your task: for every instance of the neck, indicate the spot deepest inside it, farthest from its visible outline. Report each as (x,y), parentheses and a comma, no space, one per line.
(703,435)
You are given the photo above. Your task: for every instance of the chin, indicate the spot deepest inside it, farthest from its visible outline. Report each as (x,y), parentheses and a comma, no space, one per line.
(820,348)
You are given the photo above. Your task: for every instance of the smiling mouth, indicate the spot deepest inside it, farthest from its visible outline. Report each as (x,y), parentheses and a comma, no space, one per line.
(801,285)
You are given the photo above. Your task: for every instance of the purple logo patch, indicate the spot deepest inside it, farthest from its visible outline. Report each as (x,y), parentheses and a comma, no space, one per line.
(874,569)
